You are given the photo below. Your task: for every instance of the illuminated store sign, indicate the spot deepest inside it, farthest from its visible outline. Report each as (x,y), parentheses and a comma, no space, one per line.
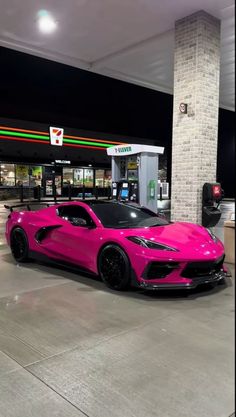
(133,149)
(124,149)
(56,136)
(62,161)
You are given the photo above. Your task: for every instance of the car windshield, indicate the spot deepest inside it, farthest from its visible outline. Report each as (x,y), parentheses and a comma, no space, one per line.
(123,216)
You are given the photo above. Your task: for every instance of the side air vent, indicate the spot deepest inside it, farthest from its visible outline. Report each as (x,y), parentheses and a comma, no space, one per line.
(158,270)
(43,232)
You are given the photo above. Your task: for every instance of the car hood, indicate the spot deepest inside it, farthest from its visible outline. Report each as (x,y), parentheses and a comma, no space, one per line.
(188,238)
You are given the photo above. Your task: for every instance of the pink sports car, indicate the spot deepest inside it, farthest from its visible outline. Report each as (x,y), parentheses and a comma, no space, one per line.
(123,243)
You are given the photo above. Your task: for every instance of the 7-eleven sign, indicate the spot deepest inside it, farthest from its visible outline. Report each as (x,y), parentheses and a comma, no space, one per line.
(56,136)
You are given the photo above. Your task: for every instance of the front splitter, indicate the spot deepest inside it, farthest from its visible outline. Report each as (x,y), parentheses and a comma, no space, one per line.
(213,279)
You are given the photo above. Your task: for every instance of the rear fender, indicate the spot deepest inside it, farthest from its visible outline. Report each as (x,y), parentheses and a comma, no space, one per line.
(12,222)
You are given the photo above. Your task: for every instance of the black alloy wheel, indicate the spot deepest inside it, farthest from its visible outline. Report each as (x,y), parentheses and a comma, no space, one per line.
(19,245)
(114,267)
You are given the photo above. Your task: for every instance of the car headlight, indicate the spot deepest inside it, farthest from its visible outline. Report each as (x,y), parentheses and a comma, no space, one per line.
(150,244)
(212,235)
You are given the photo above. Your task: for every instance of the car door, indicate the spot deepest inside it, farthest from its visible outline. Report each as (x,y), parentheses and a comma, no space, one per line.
(77,240)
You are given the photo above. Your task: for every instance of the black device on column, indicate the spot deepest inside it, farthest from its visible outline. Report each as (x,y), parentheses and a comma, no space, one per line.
(212,195)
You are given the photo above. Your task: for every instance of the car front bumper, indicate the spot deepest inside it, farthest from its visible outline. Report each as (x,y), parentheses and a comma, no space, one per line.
(191,284)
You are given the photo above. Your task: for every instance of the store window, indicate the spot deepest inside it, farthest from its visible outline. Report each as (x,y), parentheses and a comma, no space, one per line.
(78,177)
(88,178)
(7,175)
(68,176)
(22,175)
(99,178)
(107,178)
(35,175)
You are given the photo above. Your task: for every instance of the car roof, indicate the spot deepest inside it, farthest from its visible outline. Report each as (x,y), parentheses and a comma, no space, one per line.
(87,202)
(91,203)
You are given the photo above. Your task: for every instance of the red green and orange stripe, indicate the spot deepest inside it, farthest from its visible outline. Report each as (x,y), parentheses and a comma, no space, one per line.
(34,136)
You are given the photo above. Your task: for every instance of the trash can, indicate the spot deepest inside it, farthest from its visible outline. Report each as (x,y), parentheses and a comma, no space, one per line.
(37,192)
(210,216)
(211,197)
(229,241)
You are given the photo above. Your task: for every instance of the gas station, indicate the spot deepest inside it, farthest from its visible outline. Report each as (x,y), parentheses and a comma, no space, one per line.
(117,208)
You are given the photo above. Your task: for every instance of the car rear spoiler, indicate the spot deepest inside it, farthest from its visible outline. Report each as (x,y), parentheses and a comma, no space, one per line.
(28,206)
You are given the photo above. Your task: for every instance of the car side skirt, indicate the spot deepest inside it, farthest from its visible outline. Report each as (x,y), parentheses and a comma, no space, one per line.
(57,262)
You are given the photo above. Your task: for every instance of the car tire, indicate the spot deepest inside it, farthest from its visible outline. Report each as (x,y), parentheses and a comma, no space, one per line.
(19,245)
(114,267)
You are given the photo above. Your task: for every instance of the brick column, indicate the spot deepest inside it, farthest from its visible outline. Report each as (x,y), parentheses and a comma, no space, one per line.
(196,83)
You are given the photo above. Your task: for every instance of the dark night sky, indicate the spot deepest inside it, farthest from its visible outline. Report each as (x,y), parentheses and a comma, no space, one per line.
(43,91)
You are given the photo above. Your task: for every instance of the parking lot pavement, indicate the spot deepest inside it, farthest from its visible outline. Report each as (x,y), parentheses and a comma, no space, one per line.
(69,347)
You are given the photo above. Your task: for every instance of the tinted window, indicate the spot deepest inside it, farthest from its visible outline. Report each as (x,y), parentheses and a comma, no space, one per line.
(120,216)
(76,215)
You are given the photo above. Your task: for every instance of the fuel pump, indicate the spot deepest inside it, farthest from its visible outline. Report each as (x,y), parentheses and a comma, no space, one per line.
(135,173)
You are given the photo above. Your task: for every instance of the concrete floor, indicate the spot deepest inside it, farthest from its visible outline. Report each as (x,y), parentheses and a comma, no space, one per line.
(69,347)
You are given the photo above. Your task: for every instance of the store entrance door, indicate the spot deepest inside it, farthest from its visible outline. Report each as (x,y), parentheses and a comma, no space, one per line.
(52,178)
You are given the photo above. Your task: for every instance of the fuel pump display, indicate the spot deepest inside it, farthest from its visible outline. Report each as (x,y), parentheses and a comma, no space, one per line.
(128,191)
(114,190)
(124,192)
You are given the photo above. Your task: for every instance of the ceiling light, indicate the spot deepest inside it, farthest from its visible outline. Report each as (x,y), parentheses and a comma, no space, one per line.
(46,22)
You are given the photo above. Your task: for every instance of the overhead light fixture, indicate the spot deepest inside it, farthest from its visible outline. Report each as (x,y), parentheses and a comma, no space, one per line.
(46,22)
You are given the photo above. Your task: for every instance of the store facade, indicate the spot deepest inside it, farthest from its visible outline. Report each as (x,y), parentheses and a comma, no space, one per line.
(60,174)
(31,157)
